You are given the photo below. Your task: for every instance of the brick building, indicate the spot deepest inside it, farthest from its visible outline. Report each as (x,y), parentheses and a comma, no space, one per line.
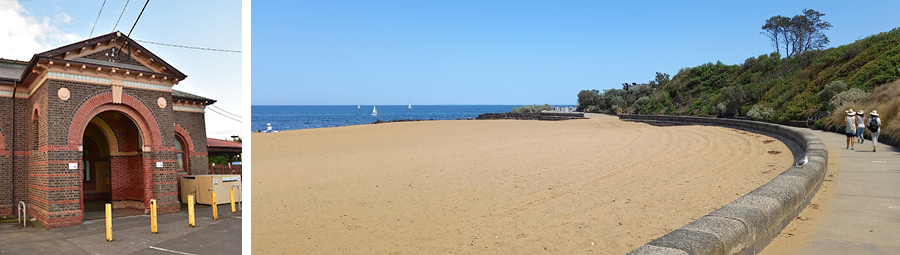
(96,122)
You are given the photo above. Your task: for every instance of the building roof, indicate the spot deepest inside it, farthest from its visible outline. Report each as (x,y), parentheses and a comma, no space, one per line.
(181,95)
(213,142)
(215,146)
(111,36)
(113,64)
(11,69)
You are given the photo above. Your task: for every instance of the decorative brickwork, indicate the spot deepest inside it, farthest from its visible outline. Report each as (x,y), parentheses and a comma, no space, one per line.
(42,134)
(187,138)
(135,110)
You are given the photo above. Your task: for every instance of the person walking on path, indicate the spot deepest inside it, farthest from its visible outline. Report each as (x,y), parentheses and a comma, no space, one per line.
(850,122)
(860,126)
(874,123)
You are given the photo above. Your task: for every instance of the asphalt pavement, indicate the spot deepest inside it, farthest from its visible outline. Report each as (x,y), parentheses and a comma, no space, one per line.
(131,235)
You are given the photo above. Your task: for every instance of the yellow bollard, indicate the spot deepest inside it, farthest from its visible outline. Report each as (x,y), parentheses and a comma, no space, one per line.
(153,216)
(109,222)
(191,210)
(215,207)
(232,200)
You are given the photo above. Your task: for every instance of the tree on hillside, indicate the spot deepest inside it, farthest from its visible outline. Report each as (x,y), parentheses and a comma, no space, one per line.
(661,80)
(776,28)
(797,34)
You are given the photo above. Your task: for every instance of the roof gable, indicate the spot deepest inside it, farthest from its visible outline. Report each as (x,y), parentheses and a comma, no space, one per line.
(114,50)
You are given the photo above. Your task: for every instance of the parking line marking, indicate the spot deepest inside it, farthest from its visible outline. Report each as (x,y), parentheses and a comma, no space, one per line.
(238,217)
(177,252)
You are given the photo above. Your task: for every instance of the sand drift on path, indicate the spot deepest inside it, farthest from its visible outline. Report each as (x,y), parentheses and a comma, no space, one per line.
(497,187)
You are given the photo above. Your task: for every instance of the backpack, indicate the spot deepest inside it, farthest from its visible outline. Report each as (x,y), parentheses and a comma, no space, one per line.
(873,124)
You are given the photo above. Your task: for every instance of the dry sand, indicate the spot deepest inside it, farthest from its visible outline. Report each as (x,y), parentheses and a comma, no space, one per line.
(501,187)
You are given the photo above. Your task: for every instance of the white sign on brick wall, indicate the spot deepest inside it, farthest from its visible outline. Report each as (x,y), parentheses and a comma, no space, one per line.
(159,164)
(73,165)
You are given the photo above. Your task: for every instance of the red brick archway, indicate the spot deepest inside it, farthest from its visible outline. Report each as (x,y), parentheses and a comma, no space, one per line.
(148,130)
(187,138)
(188,148)
(130,106)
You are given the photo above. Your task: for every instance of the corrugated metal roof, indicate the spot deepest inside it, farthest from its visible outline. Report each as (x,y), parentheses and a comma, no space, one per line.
(212,142)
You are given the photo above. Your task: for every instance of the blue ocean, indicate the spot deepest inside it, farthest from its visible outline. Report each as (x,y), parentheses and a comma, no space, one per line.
(290,117)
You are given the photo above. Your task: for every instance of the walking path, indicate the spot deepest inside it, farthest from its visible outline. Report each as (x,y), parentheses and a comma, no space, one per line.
(864,216)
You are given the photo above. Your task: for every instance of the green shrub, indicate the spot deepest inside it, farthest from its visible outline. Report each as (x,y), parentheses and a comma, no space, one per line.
(759,113)
(218,160)
(850,96)
(735,98)
(831,89)
(820,124)
(532,108)
(641,103)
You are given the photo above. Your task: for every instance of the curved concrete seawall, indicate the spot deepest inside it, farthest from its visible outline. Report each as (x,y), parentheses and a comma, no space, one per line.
(749,223)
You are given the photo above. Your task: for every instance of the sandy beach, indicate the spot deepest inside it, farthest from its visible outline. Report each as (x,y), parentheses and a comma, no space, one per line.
(496,187)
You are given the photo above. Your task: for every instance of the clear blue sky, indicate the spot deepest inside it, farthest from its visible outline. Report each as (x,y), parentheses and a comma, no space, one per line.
(509,52)
(29,27)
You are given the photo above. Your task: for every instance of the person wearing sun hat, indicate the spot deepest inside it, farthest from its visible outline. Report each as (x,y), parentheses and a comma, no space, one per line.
(850,130)
(874,123)
(860,126)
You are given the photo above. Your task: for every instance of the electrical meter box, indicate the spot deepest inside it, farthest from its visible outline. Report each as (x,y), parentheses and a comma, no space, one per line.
(204,185)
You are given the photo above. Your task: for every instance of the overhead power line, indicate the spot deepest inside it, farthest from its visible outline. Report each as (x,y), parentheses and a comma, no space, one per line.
(223,115)
(223,110)
(98,19)
(138,18)
(120,15)
(189,47)
(132,29)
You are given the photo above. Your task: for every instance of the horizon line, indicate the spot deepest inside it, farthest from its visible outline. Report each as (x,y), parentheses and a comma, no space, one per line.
(402,105)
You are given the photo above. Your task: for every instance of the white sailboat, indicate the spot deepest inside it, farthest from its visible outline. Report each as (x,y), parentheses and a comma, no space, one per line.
(410,106)
(374,111)
(357,106)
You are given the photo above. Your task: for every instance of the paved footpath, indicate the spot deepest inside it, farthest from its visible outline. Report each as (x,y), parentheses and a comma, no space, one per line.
(131,235)
(864,217)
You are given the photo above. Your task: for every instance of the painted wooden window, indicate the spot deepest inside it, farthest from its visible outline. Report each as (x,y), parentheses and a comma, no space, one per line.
(180,154)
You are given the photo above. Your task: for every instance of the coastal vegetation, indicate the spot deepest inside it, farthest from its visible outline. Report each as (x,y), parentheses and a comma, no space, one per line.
(635,96)
(769,87)
(885,99)
(532,108)
(794,87)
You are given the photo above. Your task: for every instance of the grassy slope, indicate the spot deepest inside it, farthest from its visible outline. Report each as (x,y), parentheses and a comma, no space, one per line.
(885,99)
(787,85)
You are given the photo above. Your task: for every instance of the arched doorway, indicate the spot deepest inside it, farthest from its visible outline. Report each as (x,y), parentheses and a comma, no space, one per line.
(141,162)
(112,166)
